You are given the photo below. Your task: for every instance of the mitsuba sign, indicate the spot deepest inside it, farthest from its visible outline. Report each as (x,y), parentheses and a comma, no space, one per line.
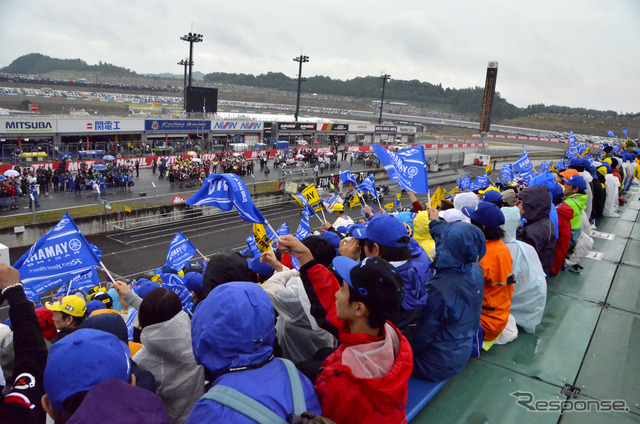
(296,126)
(27,126)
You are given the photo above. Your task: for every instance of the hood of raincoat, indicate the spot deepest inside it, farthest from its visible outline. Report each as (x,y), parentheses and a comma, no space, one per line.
(223,268)
(421,231)
(466,200)
(460,246)
(537,203)
(546,179)
(168,339)
(233,327)
(511,223)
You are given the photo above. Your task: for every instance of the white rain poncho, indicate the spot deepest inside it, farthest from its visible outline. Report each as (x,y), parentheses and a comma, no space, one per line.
(584,243)
(612,185)
(530,290)
(297,331)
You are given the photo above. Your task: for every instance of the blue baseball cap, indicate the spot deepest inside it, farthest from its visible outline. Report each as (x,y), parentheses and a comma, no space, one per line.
(193,281)
(383,229)
(260,268)
(577,181)
(374,279)
(94,305)
(81,360)
(487,214)
(492,196)
(332,238)
(143,286)
(576,162)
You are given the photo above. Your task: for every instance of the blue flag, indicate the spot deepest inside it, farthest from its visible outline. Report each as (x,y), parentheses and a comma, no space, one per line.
(57,257)
(368,186)
(176,284)
(180,252)
(408,167)
(544,166)
(482,181)
(625,132)
(464,183)
(254,250)
(523,164)
(133,313)
(507,172)
(225,191)
(396,204)
(304,230)
(301,198)
(611,134)
(283,230)
(348,178)
(80,282)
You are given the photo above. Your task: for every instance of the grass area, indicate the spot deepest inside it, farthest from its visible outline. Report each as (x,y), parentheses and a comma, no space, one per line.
(577,124)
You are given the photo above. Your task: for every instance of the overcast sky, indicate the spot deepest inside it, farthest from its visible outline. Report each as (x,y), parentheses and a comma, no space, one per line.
(568,52)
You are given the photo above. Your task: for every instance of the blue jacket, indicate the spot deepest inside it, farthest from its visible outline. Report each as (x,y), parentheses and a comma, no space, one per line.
(415,297)
(232,328)
(451,316)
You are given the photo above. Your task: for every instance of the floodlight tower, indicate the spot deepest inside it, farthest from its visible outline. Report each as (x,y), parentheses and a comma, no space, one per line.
(192,37)
(384,78)
(300,59)
(184,63)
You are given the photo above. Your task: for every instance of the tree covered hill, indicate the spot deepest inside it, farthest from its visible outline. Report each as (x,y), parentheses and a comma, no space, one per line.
(36,63)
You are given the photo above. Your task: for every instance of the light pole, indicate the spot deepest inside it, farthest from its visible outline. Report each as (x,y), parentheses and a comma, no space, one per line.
(192,37)
(184,63)
(300,59)
(384,78)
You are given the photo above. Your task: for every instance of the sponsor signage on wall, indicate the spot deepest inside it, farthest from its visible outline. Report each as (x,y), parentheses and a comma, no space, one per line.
(333,127)
(361,128)
(386,129)
(176,125)
(100,125)
(242,126)
(296,126)
(27,126)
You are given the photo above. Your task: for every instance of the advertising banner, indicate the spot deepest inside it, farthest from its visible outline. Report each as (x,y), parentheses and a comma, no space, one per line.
(27,126)
(100,125)
(160,125)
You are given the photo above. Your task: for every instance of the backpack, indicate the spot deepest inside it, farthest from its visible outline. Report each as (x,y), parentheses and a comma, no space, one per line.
(258,412)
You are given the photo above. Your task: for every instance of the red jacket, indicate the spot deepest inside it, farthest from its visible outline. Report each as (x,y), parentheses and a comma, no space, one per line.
(344,397)
(565,215)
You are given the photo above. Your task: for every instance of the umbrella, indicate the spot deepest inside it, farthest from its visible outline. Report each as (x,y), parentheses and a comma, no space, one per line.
(328,154)
(99,167)
(109,157)
(11,173)
(2,178)
(299,156)
(196,160)
(236,154)
(192,153)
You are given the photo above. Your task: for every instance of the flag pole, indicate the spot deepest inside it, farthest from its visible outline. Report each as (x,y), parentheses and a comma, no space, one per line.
(322,209)
(274,231)
(203,257)
(378,199)
(68,289)
(104,268)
